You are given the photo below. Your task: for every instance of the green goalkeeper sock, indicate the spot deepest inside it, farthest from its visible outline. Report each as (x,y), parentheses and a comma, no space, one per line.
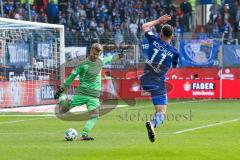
(89,126)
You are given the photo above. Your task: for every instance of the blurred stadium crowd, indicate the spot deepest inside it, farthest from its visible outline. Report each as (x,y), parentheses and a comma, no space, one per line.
(224,17)
(91,19)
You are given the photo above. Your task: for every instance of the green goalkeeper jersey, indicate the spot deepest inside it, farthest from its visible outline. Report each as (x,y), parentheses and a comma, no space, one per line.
(89,76)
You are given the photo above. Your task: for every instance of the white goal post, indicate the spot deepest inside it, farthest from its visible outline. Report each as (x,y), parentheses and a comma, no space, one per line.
(31,62)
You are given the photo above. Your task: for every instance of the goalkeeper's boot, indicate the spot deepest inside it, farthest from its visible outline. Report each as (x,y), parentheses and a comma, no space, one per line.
(65,103)
(86,138)
(63,109)
(151,132)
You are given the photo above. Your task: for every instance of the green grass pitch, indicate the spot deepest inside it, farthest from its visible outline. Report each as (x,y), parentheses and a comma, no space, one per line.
(121,134)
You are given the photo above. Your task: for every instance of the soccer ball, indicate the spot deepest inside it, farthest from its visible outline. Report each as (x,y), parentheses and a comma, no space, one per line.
(70,134)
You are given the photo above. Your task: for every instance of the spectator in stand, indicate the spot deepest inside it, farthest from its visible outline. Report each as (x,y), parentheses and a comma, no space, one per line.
(92,24)
(103,11)
(146,16)
(219,22)
(82,25)
(233,5)
(33,14)
(141,19)
(238,18)
(52,12)
(172,22)
(97,12)
(63,5)
(104,16)
(154,14)
(83,2)
(214,9)
(133,30)
(187,13)
(69,8)
(225,13)
(110,8)
(92,3)
(42,17)
(88,11)
(118,39)
(75,20)
(24,2)
(81,13)
(216,29)
(133,27)
(127,18)
(126,31)
(117,21)
(109,24)
(169,8)
(157,6)
(69,22)
(101,28)
(20,12)
(179,16)
(24,11)
(40,5)
(24,5)
(93,36)
(228,29)
(149,6)
(62,18)
(17,15)
(8,8)
(122,11)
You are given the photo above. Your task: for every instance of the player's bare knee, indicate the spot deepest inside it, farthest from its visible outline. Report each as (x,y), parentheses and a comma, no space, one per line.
(161,108)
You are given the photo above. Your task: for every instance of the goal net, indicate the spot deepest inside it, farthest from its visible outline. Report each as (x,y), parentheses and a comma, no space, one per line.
(31,59)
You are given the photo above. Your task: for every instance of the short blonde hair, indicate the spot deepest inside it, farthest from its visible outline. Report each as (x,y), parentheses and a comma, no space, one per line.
(97,46)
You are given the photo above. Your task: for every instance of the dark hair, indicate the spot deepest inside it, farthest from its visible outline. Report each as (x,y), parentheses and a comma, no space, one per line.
(167,30)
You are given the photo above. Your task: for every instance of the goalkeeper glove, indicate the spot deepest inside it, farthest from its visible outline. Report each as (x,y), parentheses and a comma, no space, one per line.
(58,93)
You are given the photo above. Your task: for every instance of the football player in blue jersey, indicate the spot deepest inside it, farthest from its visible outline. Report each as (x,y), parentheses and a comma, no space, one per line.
(161,56)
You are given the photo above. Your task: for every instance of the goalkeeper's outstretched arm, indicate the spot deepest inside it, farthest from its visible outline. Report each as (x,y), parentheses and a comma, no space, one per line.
(112,59)
(117,57)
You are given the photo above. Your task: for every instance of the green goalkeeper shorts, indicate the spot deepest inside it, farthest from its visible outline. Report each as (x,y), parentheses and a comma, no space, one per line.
(70,101)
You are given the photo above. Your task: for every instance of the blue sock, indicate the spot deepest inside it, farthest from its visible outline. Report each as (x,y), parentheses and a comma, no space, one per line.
(158,119)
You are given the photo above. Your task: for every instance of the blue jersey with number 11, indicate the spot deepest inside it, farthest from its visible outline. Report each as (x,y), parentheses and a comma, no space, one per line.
(161,55)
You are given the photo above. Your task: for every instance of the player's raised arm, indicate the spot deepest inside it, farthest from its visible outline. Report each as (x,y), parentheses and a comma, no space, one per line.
(161,20)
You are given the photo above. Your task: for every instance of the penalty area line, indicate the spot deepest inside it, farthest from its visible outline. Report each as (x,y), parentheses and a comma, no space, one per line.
(206,126)
(23,120)
(27,115)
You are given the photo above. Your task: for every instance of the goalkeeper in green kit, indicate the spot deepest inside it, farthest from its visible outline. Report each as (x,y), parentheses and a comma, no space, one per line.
(89,90)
